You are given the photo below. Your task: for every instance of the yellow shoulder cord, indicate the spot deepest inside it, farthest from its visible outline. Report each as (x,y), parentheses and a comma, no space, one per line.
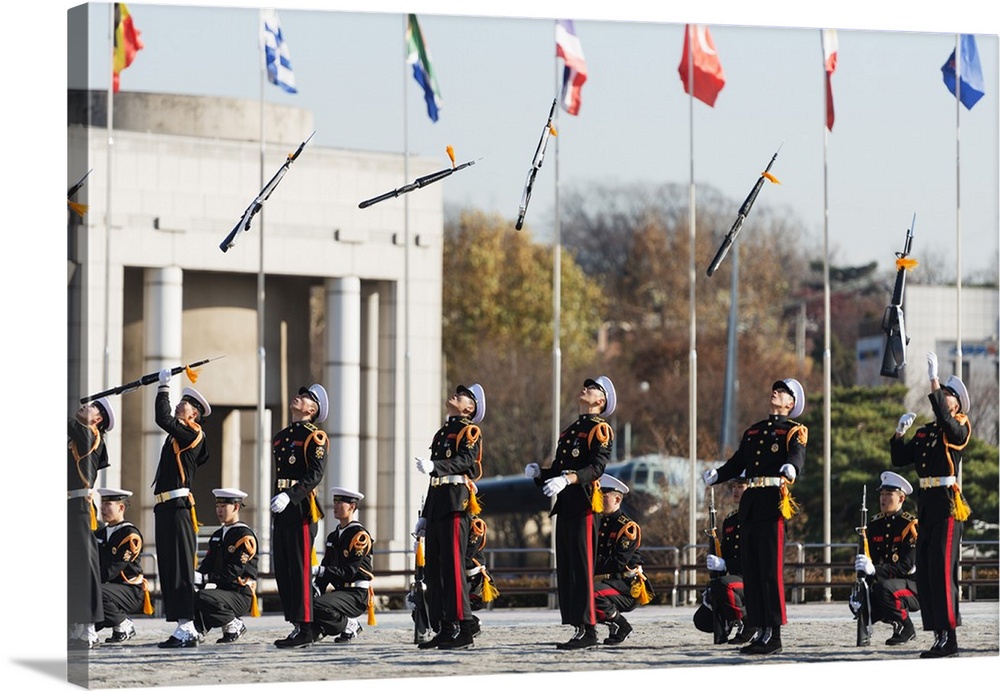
(77,458)
(315,511)
(959,507)
(249,545)
(472,434)
(180,468)
(604,434)
(911,528)
(787,504)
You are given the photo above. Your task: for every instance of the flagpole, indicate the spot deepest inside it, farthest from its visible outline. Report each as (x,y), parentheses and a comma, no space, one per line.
(958,206)
(406,284)
(556,288)
(263,464)
(107,210)
(693,355)
(826,337)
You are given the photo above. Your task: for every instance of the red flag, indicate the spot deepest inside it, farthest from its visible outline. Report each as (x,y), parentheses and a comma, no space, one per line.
(708,77)
(127,42)
(829,65)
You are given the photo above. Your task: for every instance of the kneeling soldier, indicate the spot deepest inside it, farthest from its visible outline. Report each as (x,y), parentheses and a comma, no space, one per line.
(123,586)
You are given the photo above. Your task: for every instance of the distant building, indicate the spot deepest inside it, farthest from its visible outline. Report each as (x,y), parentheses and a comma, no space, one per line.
(157,291)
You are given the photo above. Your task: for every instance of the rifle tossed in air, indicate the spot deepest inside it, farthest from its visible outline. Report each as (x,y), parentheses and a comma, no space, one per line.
(742,215)
(894,357)
(258,203)
(76,207)
(536,165)
(418,595)
(720,630)
(861,593)
(421,181)
(150,378)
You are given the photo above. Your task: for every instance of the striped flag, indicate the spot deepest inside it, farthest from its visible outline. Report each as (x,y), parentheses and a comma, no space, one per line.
(829,66)
(568,48)
(971,85)
(127,43)
(277,57)
(418,56)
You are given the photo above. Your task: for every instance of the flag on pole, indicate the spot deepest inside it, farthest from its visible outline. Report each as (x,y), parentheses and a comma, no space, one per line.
(418,56)
(277,57)
(568,48)
(830,66)
(707,72)
(126,43)
(971,85)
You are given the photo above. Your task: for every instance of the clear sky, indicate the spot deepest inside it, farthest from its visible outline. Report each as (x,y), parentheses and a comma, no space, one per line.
(891,154)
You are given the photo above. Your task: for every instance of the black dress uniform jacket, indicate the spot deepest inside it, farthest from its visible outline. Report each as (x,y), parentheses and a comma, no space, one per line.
(892,542)
(122,580)
(347,564)
(87,454)
(231,564)
(584,448)
(299,452)
(618,538)
(935,450)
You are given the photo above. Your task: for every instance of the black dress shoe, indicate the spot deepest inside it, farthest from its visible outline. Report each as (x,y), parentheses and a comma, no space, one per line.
(120,636)
(902,633)
(228,637)
(461,640)
(587,640)
(768,643)
(945,646)
(438,639)
(79,644)
(174,642)
(348,636)
(619,630)
(303,639)
(745,636)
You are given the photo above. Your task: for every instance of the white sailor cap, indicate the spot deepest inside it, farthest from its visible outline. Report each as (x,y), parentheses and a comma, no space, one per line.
(958,390)
(891,480)
(478,396)
(197,400)
(610,396)
(317,393)
(113,494)
(795,390)
(609,483)
(107,411)
(229,495)
(346,495)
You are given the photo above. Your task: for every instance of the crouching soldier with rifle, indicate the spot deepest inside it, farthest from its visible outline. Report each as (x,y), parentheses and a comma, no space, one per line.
(886,566)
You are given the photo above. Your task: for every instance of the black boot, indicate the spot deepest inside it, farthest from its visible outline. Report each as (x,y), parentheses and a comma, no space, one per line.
(618,630)
(744,634)
(768,643)
(946,645)
(902,632)
(302,638)
(461,637)
(443,634)
(585,637)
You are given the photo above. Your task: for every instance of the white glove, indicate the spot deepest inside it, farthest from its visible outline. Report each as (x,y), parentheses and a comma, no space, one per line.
(532,470)
(932,367)
(199,578)
(420,528)
(280,502)
(706,598)
(555,485)
(710,476)
(788,470)
(715,563)
(425,466)
(164,376)
(318,571)
(905,420)
(864,563)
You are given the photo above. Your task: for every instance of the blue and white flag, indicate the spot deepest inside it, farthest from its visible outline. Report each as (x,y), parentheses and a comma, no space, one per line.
(276,54)
(972,87)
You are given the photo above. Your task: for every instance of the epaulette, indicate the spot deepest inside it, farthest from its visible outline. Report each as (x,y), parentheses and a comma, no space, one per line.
(732,513)
(908,516)
(310,426)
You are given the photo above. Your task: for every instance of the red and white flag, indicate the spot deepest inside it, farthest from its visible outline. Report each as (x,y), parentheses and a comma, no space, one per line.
(699,49)
(830,66)
(575,71)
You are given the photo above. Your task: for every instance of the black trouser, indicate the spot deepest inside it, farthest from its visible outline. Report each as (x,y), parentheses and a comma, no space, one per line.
(576,536)
(763,572)
(217,606)
(120,600)
(334,608)
(83,566)
(291,548)
(609,599)
(444,570)
(893,599)
(727,596)
(176,545)
(938,543)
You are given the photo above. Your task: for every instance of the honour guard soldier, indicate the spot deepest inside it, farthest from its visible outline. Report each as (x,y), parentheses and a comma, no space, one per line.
(935,451)
(771,453)
(183,452)
(230,564)
(299,452)
(455,464)
(87,455)
(123,586)
(583,451)
(890,570)
(724,595)
(347,569)
(619,582)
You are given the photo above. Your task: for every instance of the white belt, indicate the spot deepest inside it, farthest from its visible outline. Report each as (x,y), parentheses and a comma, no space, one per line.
(448,480)
(355,584)
(765,482)
(285,484)
(78,493)
(947,481)
(172,494)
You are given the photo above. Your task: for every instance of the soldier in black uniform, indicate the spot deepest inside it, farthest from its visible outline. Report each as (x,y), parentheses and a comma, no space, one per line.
(583,451)
(935,450)
(299,452)
(455,463)
(618,577)
(890,569)
(771,454)
(347,569)
(87,455)
(230,564)
(123,585)
(724,594)
(183,452)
